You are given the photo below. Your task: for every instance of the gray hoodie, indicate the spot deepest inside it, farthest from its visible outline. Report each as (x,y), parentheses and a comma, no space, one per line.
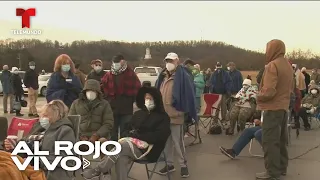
(61,130)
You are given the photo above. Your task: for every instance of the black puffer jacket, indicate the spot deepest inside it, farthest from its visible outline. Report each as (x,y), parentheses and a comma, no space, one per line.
(152,127)
(17,85)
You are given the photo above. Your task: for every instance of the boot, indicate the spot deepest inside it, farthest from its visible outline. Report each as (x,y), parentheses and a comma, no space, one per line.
(18,113)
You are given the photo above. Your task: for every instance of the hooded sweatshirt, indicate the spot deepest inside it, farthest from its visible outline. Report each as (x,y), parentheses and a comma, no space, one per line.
(151,126)
(312,99)
(277,81)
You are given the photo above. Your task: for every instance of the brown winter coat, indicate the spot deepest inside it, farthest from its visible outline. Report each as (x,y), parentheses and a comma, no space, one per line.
(277,81)
(166,88)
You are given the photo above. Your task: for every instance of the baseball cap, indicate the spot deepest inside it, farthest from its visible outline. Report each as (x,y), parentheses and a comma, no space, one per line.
(96,61)
(172,56)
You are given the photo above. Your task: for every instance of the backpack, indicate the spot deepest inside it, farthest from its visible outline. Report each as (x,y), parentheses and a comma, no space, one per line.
(215,129)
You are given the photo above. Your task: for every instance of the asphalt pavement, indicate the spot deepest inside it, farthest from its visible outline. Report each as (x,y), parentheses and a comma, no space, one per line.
(205,161)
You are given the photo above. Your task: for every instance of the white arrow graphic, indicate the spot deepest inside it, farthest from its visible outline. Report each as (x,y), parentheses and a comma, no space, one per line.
(86,163)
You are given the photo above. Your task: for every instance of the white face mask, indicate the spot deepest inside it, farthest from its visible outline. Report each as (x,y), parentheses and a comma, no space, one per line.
(97,68)
(32,67)
(15,72)
(228,68)
(149,104)
(44,122)
(116,66)
(91,95)
(314,91)
(170,66)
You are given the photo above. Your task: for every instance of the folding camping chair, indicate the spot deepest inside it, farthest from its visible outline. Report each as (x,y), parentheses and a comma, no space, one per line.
(209,111)
(21,127)
(3,130)
(150,173)
(289,127)
(75,120)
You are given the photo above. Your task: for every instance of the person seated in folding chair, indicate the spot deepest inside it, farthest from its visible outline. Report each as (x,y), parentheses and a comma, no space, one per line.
(96,114)
(245,138)
(53,126)
(244,107)
(145,136)
(309,106)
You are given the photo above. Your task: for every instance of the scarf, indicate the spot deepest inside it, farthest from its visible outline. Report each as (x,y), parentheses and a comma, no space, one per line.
(244,95)
(118,71)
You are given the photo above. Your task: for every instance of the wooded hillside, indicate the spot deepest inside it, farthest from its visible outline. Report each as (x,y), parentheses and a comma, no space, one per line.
(206,53)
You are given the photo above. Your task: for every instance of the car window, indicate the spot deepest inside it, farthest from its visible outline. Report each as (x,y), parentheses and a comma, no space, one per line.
(145,70)
(43,78)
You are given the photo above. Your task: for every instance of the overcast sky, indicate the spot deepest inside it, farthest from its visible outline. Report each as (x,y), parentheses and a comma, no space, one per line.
(246,24)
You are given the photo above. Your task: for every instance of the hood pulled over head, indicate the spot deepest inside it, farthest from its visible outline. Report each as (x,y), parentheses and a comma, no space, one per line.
(275,49)
(314,87)
(157,98)
(93,85)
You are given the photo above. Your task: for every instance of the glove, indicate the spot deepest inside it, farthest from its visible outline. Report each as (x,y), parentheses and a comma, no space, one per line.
(84,138)
(94,138)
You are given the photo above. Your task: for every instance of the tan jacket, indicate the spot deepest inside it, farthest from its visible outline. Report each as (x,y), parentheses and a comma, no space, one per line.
(277,82)
(300,80)
(177,117)
(315,77)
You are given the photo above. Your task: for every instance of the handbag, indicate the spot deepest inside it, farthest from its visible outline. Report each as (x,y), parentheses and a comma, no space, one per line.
(139,143)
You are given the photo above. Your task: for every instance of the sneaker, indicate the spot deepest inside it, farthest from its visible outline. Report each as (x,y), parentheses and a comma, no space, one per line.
(184,173)
(19,114)
(265,175)
(228,152)
(91,174)
(166,169)
(30,115)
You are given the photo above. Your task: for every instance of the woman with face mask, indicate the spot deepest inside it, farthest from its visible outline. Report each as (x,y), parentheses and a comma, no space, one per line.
(144,136)
(309,106)
(53,126)
(97,71)
(96,114)
(17,89)
(243,107)
(63,84)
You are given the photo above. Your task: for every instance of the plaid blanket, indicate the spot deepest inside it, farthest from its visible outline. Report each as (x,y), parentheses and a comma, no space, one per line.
(129,83)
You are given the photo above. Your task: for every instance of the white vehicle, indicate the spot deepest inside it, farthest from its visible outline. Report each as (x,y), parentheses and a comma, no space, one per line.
(43,83)
(1,90)
(148,75)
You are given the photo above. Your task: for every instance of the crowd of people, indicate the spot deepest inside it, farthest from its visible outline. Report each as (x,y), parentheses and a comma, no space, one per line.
(105,100)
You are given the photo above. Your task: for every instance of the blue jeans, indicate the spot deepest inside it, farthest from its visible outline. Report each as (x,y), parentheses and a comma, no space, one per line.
(119,122)
(245,138)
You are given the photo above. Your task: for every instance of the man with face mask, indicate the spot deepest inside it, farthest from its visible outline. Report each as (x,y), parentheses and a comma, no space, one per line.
(97,70)
(236,78)
(221,83)
(96,113)
(309,105)
(178,92)
(120,87)
(273,99)
(31,82)
(5,78)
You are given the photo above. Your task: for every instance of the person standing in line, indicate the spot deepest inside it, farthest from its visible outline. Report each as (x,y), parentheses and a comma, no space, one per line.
(273,99)
(207,76)
(221,83)
(300,79)
(97,70)
(315,76)
(18,90)
(236,78)
(31,82)
(199,83)
(80,74)
(178,93)
(7,89)
(306,78)
(120,87)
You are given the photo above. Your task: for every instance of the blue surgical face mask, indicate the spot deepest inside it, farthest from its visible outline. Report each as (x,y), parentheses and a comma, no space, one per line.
(44,122)
(65,67)
(116,66)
